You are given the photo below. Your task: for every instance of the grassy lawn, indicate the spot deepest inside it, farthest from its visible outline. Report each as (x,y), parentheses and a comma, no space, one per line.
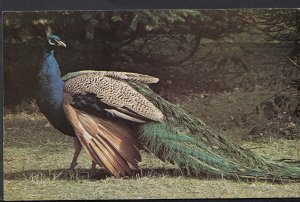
(36,158)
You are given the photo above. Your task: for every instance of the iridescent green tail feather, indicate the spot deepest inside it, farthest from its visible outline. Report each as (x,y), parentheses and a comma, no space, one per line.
(196,148)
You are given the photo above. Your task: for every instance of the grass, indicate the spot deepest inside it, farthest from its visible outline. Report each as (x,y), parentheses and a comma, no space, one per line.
(144,188)
(36,158)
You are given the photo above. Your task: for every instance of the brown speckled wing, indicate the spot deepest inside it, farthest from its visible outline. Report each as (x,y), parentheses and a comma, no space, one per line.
(113,92)
(124,76)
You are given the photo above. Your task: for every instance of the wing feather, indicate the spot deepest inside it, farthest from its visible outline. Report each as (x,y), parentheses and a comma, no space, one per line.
(115,135)
(109,144)
(113,94)
(119,75)
(129,153)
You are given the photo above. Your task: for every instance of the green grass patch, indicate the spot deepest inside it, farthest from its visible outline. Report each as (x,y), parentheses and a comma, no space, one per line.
(37,157)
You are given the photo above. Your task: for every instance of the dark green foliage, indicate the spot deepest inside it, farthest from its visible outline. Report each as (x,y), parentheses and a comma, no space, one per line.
(188,142)
(197,49)
(138,41)
(282,25)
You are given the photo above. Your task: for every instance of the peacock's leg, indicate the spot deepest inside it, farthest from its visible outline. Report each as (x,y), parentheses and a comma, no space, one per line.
(77,147)
(93,170)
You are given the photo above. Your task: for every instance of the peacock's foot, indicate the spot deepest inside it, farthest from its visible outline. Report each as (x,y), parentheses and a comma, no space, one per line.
(78,148)
(93,174)
(93,170)
(72,166)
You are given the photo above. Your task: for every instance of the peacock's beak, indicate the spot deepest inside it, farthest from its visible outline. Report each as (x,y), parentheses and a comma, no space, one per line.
(60,43)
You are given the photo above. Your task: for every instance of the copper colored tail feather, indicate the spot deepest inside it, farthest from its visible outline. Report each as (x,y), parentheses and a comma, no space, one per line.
(110,144)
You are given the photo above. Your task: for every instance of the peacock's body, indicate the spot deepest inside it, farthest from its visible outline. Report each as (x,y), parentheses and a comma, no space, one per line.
(115,114)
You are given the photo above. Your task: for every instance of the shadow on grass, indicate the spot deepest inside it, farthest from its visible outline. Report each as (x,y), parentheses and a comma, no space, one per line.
(84,174)
(101,174)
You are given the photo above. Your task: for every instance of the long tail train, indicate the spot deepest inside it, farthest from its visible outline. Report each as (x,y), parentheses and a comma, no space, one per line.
(196,148)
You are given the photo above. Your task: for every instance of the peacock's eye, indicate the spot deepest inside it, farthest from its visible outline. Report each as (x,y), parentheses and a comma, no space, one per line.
(51,42)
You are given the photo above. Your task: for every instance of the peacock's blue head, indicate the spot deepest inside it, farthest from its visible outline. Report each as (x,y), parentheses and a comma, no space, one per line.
(54,40)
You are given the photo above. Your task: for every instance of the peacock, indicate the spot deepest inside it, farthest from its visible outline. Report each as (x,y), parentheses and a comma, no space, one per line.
(114,115)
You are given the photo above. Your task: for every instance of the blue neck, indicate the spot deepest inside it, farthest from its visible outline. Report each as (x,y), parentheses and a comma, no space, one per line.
(50,94)
(50,66)
(50,82)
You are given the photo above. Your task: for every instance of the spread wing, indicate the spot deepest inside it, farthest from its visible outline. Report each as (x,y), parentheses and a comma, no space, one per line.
(96,106)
